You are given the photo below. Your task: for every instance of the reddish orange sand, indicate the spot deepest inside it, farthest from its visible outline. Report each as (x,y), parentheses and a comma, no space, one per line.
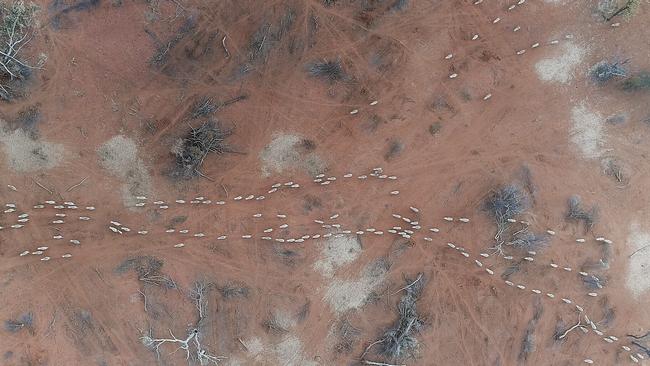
(98,83)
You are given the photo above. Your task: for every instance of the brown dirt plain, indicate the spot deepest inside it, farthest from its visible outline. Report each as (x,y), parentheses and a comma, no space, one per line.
(120,80)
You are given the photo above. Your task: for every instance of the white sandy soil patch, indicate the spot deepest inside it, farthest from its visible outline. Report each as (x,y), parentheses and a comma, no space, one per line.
(586,132)
(287,352)
(119,156)
(638,270)
(345,295)
(255,347)
(286,152)
(336,253)
(283,319)
(24,154)
(561,68)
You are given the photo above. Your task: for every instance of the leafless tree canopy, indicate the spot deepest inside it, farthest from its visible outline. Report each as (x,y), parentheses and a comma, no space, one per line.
(15,33)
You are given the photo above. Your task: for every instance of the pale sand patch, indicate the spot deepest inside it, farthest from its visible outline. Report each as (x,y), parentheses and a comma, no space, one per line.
(285,152)
(289,352)
(345,295)
(283,319)
(255,346)
(561,68)
(336,253)
(119,156)
(586,132)
(638,270)
(24,154)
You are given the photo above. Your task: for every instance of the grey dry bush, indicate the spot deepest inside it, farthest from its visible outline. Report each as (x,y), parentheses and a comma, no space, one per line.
(528,341)
(16,23)
(234,290)
(612,8)
(199,142)
(638,82)
(207,106)
(163,49)
(527,240)
(577,213)
(330,70)
(605,71)
(593,282)
(192,345)
(24,321)
(148,270)
(268,36)
(399,340)
(348,336)
(503,204)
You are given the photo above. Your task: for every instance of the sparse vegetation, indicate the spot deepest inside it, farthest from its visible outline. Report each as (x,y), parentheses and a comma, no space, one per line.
(395,147)
(435,127)
(504,204)
(637,82)
(331,70)
(605,71)
(348,336)
(234,290)
(399,340)
(614,169)
(593,282)
(192,345)
(148,270)
(16,23)
(163,49)
(198,143)
(577,213)
(612,8)
(526,178)
(528,341)
(527,240)
(399,5)
(23,322)
(267,36)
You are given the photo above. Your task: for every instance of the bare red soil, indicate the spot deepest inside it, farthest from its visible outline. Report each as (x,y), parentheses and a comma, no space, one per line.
(138,68)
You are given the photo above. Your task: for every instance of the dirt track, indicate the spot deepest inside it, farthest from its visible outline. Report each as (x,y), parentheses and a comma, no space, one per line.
(136,69)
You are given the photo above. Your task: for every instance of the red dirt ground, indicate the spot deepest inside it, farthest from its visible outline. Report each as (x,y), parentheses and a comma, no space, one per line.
(99,82)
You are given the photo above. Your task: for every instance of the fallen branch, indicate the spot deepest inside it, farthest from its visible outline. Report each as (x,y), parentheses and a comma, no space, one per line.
(578,324)
(412,283)
(223,42)
(42,186)
(367,362)
(370,346)
(145,300)
(76,185)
